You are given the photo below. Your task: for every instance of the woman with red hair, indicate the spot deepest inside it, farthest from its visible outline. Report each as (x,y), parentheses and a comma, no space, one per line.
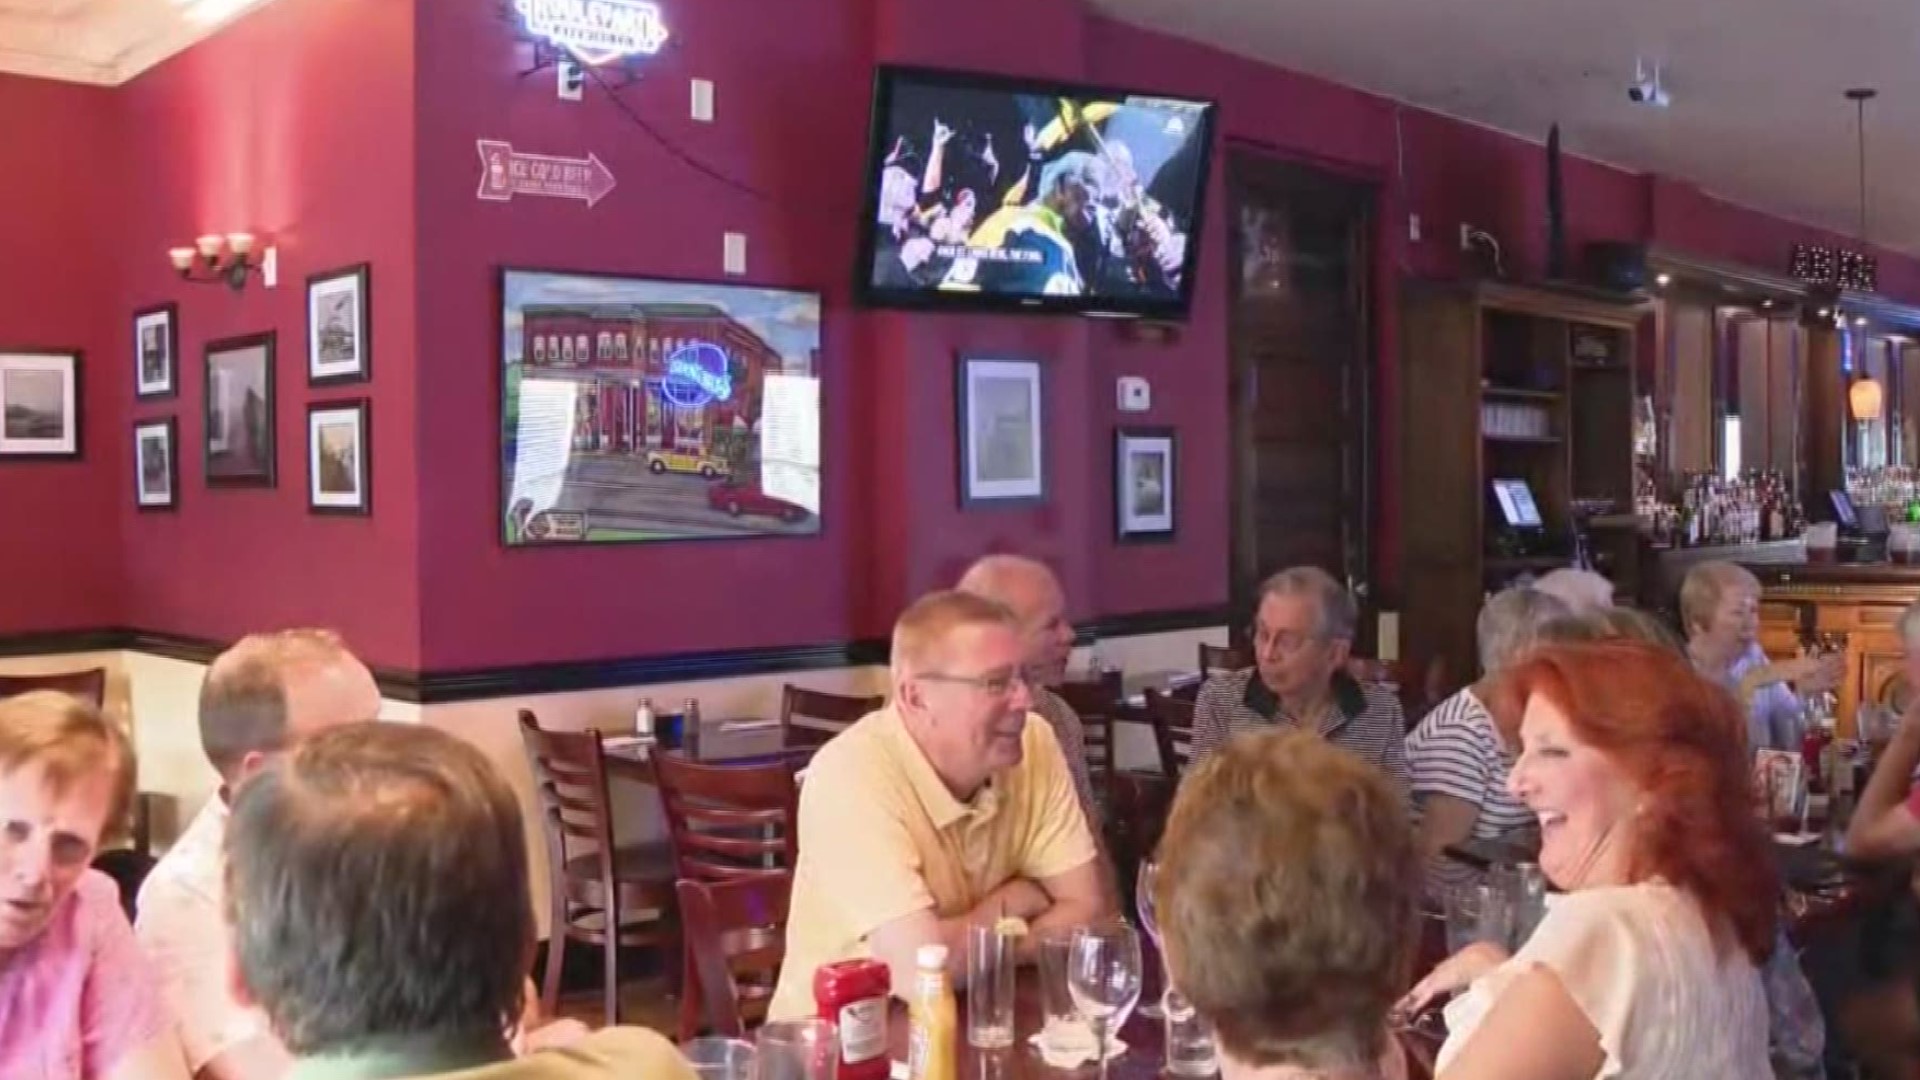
(1648,964)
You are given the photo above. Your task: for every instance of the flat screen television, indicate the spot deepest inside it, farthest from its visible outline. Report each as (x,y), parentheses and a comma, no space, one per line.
(1011,194)
(1517,507)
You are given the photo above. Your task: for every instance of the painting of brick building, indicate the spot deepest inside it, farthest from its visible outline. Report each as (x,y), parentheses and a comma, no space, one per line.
(636,410)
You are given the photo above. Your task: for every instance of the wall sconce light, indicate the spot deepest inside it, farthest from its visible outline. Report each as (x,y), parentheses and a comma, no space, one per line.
(215,259)
(1865,398)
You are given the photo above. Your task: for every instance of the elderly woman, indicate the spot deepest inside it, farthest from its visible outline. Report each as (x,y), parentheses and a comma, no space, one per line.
(1584,591)
(1648,966)
(1720,609)
(77,998)
(1287,897)
(1455,757)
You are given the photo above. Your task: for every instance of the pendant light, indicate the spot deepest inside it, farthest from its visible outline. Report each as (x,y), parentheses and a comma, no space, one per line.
(1865,395)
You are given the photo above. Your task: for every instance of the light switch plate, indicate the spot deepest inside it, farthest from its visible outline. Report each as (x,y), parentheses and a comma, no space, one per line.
(572,80)
(1135,394)
(270,267)
(734,252)
(703,100)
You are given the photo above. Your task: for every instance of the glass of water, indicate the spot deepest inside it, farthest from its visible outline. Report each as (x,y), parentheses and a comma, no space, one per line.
(799,1050)
(1147,908)
(1190,1047)
(716,1058)
(1103,975)
(990,969)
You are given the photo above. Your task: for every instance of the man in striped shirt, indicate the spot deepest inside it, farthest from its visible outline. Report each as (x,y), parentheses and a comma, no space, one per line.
(1302,635)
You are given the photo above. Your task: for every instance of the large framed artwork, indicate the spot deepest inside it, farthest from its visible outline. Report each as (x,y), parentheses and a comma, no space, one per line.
(156,350)
(39,404)
(1143,492)
(642,410)
(1002,458)
(238,448)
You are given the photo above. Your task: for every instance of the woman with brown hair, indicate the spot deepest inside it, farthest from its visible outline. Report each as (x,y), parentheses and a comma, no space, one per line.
(1648,965)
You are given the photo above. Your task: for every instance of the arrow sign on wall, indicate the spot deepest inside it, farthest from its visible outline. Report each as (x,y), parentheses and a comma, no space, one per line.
(506,172)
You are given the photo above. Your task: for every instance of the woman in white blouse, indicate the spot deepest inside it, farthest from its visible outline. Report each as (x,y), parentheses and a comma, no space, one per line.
(1648,965)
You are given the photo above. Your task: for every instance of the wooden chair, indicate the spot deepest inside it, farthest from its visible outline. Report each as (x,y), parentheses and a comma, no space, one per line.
(1172,720)
(1098,703)
(736,940)
(811,717)
(89,685)
(595,890)
(1221,659)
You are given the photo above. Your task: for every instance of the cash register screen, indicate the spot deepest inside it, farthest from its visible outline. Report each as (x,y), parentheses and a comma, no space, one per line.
(1843,511)
(1516,503)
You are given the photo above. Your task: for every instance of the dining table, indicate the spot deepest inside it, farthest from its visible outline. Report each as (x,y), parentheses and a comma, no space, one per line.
(733,743)
(1143,1059)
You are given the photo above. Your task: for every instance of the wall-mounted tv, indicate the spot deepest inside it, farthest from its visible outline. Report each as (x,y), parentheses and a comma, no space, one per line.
(1010,194)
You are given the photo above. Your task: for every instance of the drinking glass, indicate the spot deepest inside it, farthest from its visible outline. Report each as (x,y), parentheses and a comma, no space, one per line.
(799,1050)
(1103,975)
(715,1058)
(1059,1016)
(1147,908)
(990,967)
(1190,1047)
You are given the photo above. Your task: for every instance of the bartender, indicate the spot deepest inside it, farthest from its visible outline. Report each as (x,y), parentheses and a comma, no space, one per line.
(1720,608)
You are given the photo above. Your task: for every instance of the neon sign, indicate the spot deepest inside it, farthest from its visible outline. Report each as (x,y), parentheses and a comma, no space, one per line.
(596,31)
(697,376)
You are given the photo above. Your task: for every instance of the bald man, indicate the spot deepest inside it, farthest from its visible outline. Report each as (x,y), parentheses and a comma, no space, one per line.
(260,698)
(1028,589)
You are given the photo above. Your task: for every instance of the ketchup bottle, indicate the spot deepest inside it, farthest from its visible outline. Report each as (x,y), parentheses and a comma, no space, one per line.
(853,995)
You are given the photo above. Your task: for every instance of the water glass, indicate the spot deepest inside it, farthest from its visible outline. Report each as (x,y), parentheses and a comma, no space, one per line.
(1190,1047)
(799,1050)
(1103,975)
(1147,908)
(715,1058)
(1479,913)
(990,969)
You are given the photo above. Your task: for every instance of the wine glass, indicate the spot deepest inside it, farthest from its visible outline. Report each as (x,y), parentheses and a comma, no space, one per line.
(1103,976)
(1146,907)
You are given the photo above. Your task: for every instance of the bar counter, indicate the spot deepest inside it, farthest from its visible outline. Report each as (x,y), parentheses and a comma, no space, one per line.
(1857,602)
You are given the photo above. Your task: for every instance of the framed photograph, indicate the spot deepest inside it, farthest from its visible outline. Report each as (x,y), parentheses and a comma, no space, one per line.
(156,351)
(239,448)
(39,404)
(156,465)
(1001,457)
(1143,494)
(339,326)
(339,458)
(645,411)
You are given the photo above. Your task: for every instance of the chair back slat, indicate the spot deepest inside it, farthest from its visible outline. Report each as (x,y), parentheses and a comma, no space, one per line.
(570,776)
(1098,703)
(736,940)
(1172,720)
(811,717)
(89,685)
(729,821)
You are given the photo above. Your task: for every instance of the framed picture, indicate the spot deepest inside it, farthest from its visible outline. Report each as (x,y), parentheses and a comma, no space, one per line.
(156,465)
(1143,494)
(1001,458)
(239,448)
(339,458)
(39,404)
(640,410)
(156,351)
(339,327)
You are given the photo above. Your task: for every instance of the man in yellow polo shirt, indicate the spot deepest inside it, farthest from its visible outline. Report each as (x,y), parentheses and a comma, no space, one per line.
(950,806)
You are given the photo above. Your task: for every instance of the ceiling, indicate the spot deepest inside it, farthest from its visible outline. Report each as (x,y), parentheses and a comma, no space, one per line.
(103,41)
(1757,114)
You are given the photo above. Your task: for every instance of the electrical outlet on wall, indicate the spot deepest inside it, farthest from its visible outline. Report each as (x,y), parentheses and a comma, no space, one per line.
(573,80)
(734,252)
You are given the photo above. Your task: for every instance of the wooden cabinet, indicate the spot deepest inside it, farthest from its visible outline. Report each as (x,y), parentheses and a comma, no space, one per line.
(1862,605)
(1504,382)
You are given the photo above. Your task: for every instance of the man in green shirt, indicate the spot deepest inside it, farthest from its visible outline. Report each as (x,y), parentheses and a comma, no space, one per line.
(377,887)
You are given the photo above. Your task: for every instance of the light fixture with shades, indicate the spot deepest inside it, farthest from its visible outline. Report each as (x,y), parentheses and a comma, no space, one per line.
(1865,395)
(214,259)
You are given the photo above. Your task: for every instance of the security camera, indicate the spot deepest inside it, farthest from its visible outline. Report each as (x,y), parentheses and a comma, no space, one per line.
(1645,89)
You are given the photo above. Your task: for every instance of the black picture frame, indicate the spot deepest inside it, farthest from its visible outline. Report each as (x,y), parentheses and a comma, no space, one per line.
(169,428)
(983,492)
(70,444)
(1132,522)
(168,316)
(213,443)
(361,502)
(359,279)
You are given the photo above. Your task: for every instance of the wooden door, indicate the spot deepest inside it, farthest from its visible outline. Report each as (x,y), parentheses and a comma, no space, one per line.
(1299,389)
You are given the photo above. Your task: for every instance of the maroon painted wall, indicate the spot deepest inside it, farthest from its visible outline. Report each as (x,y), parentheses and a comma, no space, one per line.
(59,546)
(295,123)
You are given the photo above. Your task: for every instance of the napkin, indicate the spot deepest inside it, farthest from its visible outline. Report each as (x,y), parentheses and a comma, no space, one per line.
(1068,1044)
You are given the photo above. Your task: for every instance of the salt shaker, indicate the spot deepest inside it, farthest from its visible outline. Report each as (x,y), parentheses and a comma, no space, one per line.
(643,719)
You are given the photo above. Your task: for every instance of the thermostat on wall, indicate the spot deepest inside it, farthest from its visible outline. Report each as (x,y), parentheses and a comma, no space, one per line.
(1135,394)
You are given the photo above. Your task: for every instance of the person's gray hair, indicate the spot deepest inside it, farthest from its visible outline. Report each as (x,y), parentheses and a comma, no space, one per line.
(1087,170)
(1338,615)
(1510,623)
(1581,590)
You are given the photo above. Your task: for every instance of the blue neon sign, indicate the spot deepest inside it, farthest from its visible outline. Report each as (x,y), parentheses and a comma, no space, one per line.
(697,376)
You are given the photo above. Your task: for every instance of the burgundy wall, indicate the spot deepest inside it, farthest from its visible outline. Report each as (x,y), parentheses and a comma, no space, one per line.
(295,123)
(59,546)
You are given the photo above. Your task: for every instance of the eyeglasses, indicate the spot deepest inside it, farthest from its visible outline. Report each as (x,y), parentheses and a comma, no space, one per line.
(998,684)
(1285,642)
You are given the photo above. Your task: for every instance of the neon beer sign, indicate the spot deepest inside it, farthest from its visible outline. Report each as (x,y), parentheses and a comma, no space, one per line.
(697,376)
(596,31)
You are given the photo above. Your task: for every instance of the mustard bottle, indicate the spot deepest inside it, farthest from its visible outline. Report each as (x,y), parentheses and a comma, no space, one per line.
(936,1022)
